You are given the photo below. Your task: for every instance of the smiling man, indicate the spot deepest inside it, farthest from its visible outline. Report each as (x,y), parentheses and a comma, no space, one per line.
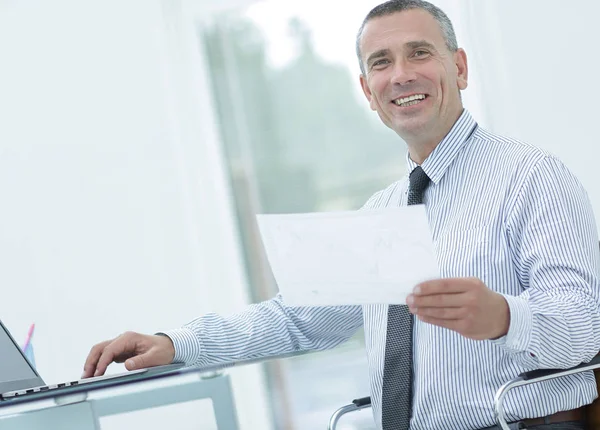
(517,248)
(513,231)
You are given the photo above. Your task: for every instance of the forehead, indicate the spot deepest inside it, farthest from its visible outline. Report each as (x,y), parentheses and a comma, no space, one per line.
(395,30)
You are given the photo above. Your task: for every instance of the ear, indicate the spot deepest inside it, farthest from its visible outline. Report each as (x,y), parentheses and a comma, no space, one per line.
(462,68)
(367,91)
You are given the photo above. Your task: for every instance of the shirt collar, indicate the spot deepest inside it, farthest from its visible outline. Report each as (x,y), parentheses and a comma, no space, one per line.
(444,154)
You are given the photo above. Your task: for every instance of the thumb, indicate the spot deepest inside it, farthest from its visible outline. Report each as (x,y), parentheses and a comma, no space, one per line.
(138,362)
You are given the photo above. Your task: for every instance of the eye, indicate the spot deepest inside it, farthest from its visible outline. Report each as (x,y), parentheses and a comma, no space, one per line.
(380,62)
(420,53)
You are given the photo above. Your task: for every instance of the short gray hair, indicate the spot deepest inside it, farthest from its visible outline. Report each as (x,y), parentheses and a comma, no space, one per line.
(394,6)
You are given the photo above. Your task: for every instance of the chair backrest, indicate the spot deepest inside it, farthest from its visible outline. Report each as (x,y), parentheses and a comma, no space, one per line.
(593,410)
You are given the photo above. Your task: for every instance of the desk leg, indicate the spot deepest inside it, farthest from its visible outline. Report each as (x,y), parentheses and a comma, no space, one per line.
(224,406)
(78,416)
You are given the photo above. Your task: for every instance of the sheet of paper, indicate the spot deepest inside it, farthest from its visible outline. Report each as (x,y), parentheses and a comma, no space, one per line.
(347,258)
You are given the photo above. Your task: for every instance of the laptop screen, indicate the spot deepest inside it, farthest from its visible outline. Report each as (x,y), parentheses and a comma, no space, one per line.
(15,371)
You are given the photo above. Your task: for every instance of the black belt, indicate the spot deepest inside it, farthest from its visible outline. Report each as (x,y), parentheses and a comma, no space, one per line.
(574,415)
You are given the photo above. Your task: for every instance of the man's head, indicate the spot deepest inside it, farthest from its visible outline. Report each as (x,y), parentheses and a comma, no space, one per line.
(412,69)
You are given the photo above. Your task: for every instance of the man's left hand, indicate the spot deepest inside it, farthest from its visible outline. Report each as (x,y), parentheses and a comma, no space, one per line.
(464,305)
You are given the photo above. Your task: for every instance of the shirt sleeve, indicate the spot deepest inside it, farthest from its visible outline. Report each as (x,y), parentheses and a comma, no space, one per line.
(555,322)
(269,328)
(262,330)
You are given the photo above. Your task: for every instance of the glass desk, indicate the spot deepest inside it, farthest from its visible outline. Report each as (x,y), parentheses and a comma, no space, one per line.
(81,407)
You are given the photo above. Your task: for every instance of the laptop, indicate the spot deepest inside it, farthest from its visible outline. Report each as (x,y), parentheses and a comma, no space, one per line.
(19,378)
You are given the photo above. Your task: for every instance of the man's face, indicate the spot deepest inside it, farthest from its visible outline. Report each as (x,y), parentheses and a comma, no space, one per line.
(411,78)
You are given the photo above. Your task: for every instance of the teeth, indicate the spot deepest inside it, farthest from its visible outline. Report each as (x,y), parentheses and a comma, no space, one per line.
(405,100)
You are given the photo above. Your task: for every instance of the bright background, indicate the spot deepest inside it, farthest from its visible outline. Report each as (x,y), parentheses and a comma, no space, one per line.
(138,138)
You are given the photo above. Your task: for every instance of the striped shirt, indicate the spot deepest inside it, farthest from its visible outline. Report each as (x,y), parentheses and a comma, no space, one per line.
(500,210)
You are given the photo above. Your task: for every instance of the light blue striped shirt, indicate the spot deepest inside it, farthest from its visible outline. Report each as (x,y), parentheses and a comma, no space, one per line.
(499,210)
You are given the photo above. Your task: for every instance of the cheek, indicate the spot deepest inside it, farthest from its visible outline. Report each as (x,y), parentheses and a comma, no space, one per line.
(373,103)
(450,84)
(438,77)
(379,95)
(444,91)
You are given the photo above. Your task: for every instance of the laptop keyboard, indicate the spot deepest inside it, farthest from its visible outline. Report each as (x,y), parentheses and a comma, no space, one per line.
(19,393)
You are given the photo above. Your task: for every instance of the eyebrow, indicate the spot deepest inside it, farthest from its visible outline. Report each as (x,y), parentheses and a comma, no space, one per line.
(410,45)
(420,44)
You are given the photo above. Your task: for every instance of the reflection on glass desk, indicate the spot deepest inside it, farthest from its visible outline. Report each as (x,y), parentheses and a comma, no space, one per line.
(87,407)
(82,407)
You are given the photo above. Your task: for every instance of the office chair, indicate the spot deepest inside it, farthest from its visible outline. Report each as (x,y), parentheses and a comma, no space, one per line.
(592,412)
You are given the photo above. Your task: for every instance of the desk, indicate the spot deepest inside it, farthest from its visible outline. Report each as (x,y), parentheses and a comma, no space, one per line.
(80,412)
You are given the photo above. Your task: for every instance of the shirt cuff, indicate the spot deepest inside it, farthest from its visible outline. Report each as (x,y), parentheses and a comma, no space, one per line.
(518,338)
(187,346)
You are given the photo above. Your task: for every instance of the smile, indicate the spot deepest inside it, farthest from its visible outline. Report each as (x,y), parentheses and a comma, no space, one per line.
(410,100)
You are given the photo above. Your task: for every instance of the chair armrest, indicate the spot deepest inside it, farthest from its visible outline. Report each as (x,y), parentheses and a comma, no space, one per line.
(540,373)
(362,402)
(356,405)
(531,378)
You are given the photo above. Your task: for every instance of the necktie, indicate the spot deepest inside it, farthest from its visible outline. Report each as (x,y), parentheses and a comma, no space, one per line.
(397,368)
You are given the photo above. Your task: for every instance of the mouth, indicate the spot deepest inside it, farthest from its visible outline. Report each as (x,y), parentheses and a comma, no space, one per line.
(412,100)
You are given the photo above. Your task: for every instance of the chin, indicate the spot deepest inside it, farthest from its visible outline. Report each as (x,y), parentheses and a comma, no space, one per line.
(410,127)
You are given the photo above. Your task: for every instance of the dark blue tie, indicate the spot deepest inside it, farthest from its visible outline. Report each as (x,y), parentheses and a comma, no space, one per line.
(396,396)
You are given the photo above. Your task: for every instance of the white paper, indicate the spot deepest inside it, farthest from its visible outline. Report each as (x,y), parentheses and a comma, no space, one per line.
(348,258)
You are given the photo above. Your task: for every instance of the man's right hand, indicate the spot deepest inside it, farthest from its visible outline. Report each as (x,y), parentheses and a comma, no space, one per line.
(136,350)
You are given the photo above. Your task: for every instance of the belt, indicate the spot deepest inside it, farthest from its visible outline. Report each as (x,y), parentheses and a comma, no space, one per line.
(559,417)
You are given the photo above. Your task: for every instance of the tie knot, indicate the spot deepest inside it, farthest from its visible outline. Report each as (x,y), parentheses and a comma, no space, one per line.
(418,182)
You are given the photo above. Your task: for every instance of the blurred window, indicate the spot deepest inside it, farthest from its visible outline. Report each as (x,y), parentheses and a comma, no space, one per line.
(298,137)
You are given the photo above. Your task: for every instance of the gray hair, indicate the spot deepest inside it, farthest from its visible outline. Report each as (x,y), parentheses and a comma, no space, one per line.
(394,6)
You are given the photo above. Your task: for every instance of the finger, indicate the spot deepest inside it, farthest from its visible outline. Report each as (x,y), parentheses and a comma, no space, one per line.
(445,300)
(443,286)
(461,326)
(441,313)
(127,353)
(89,368)
(451,324)
(120,347)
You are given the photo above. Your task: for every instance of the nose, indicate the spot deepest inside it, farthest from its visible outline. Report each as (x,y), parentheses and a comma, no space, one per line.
(403,73)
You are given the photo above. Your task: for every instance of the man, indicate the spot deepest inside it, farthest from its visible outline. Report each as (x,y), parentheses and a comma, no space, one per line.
(517,248)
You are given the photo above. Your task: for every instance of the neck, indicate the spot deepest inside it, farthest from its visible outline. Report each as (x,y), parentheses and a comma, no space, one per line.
(421,145)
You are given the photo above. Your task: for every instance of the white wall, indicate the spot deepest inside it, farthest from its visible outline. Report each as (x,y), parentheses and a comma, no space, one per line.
(538,69)
(115,208)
